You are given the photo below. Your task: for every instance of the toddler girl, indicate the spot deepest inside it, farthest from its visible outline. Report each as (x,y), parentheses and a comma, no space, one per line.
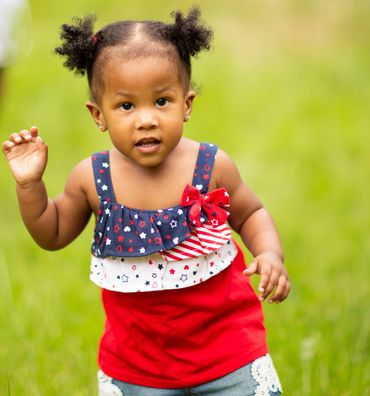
(181,315)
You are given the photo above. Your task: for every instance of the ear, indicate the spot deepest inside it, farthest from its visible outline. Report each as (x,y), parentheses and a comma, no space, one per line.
(97,115)
(189,98)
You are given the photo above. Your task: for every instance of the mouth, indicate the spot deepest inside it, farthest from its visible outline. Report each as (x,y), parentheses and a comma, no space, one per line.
(148,145)
(147,142)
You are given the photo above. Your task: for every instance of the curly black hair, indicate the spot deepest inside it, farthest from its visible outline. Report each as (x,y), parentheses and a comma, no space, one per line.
(86,51)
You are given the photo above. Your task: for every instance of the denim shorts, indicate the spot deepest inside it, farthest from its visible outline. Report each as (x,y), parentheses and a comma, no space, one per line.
(258,378)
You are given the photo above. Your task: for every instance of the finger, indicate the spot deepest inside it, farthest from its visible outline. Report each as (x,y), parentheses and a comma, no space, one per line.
(282,290)
(273,281)
(252,268)
(265,277)
(7,145)
(34,131)
(39,139)
(25,134)
(287,291)
(15,137)
(40,143)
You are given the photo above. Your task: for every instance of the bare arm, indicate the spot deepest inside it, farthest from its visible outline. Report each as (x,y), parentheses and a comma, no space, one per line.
(52,223)
(255,226)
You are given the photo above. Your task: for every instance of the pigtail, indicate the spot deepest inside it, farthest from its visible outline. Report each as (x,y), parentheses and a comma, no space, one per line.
(79,44)
(188,34)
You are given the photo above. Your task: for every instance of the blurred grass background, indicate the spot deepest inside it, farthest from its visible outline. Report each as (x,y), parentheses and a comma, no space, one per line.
(286,92)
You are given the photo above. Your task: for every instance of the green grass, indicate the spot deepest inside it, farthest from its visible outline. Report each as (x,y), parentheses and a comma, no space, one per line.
(285,92)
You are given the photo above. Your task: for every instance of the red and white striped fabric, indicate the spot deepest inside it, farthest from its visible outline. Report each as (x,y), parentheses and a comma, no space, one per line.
(203,240)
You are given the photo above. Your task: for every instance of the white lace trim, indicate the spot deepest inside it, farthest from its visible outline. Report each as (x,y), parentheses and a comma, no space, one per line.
(106,387)
(264,373)
(154,273)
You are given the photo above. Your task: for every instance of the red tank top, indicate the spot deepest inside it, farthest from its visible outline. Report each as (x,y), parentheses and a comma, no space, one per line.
(185,337)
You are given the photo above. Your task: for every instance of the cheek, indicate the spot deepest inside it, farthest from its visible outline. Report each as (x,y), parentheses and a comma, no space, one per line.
(119,124)
(178,116)
(117,139)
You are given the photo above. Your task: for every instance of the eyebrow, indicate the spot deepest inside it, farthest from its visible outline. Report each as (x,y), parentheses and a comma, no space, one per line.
(160,90)
(156,91)
(126,94)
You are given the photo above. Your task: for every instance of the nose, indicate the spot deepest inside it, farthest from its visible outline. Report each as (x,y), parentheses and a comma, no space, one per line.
(146,119)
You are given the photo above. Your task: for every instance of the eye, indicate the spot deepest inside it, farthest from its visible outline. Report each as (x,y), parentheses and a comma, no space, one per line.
(161,102)
(127,106)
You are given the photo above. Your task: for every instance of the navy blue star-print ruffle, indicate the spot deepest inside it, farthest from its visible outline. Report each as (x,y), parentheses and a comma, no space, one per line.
(127,232)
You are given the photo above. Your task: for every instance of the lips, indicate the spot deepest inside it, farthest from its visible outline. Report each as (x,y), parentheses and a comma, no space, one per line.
(148,145)
(147,142)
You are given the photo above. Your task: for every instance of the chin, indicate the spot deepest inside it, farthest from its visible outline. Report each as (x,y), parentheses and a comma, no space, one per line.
(150,163)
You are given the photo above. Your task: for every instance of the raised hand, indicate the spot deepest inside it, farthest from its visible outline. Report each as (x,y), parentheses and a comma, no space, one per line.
(27,156)
(274,277)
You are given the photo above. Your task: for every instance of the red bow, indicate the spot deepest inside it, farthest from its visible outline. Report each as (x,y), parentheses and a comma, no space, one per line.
(212,203)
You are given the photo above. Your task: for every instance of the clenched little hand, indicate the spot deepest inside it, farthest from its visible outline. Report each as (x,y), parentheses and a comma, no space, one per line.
(274,277)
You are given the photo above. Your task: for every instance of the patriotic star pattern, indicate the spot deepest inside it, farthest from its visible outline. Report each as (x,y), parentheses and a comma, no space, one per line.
(195,227)
(154,273)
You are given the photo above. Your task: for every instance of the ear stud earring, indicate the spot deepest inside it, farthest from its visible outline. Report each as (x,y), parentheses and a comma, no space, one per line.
(102,128)
(186,118)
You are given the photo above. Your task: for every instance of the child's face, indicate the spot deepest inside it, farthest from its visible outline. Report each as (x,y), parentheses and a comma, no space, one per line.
(143,106)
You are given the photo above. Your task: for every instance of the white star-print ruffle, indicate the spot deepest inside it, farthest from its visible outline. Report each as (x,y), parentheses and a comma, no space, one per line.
(153,272)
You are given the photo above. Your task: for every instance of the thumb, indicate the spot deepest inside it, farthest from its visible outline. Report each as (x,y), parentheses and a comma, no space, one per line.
(39,141)
(252,268)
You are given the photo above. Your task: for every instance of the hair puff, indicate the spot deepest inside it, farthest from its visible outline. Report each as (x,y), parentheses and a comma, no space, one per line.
(188,34)
(79,44)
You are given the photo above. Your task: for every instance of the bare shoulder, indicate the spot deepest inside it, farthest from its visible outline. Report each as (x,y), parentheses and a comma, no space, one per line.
(225,172)
(81,175)
(243,200)
(80,185)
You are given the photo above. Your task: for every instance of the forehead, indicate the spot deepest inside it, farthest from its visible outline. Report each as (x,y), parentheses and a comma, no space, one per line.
(141,60)
(139,74)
